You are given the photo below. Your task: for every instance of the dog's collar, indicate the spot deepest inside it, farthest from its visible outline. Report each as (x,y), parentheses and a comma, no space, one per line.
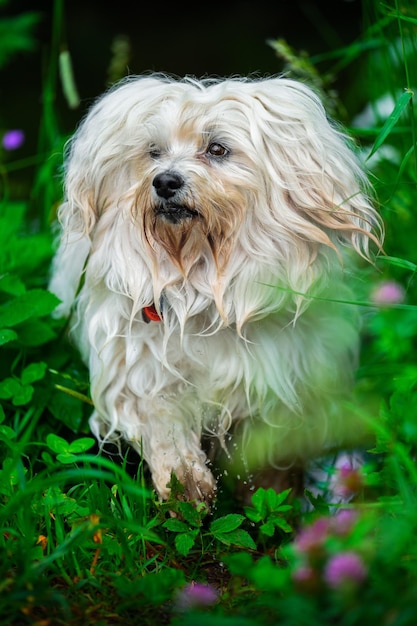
(150,314)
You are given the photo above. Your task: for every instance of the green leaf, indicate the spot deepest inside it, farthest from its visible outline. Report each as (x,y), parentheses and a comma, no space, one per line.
(34,303)
(11,472)
(67,409)
(281,523)
(54,500)
(317,502)
(34,332)
(238,537)
(190,513)
(271,498)
(16,35)
(277,498)
(259,501)
(284,508)
(9,387)
(23,395)
(6,433)
(47,458)
(12,285)
(67,452)
(175,526)
(33,372)
(391,121)
(185,541)
(21,392)
(397,262)
(67,457)
(252,514)
(7,335)
(267,529)
(81,445)
(57,444)
(226,524)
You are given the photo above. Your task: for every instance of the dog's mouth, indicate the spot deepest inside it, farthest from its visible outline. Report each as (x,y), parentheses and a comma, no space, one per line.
(175,213)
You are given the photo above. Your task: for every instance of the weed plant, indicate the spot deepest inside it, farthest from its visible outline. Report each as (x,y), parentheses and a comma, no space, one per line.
(83,538)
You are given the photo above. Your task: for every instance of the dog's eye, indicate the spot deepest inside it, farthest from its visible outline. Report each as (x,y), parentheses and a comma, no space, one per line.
(154,152)
(217,150)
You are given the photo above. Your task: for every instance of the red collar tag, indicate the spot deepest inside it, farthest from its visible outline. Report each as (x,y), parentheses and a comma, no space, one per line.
(150,314)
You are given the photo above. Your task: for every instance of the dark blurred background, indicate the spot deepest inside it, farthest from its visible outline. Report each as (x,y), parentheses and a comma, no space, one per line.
(215,38)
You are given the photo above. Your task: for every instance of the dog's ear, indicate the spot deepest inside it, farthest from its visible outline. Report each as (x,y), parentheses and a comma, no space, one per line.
(77,217)
(68,268)
(83,180)
(313,166)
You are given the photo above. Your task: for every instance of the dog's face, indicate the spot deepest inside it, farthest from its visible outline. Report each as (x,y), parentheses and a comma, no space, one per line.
(198,175)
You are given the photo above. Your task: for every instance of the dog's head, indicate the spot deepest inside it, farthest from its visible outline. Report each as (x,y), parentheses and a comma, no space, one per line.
(213,172)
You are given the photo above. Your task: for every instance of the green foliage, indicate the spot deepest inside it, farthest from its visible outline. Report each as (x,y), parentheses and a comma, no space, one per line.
(16,35)
(268,508)
(66,452)
(190,529)
(401,105)
(20,391)
(85,541)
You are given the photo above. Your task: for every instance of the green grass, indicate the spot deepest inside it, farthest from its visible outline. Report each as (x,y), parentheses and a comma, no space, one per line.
(83,538)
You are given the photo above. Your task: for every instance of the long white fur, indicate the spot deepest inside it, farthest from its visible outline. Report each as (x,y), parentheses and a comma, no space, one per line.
(251,331)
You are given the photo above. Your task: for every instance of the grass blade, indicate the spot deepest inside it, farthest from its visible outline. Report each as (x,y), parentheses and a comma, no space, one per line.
(391,121)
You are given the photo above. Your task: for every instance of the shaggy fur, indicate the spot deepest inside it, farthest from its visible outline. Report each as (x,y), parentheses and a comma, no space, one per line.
(227,206)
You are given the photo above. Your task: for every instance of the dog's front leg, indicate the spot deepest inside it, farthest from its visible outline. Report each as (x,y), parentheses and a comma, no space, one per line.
(171,445)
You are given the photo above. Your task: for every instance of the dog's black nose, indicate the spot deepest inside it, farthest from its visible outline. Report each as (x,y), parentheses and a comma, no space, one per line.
(167,184)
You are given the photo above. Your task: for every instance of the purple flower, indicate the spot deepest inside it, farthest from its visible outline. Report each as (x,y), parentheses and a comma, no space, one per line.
(13,139)
(196,595)
(345,569)
(388,292)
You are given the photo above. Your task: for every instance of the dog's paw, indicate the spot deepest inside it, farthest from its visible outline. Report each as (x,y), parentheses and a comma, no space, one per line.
(198,484)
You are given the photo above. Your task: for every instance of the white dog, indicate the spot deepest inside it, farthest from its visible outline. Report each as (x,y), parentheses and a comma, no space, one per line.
(204,230)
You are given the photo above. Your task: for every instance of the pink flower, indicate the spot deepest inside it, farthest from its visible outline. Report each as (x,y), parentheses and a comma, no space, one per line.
(303,573)
(13,139)
(343,522)
(311,539)
(306,578)
(348,479)
(196,595)
(345,569)
(389,292)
